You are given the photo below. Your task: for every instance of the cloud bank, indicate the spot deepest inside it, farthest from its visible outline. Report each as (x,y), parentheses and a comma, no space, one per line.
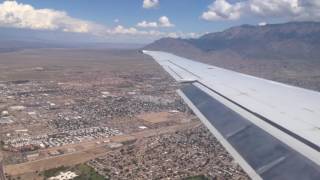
(19,15)
(298,10)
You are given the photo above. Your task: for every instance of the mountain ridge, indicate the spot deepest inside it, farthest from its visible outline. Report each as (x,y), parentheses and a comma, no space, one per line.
(292,40)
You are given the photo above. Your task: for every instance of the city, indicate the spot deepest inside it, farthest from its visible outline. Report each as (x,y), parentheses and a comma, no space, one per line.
(160,90)
(75,117)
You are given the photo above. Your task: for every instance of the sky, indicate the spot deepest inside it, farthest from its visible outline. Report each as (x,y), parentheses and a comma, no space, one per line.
(148,20)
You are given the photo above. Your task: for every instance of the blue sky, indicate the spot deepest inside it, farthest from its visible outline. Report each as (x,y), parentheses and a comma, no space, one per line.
(185,14)
(137,19)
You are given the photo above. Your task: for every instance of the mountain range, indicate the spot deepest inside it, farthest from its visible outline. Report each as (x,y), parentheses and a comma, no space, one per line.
(288,52)
(293,40)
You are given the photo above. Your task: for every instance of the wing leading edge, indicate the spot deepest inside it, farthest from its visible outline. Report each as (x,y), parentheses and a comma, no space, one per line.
(271,129)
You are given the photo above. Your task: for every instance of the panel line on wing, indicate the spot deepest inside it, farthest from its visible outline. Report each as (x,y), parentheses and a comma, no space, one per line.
(175,73)
(184,69)
(237,131)
(271,165)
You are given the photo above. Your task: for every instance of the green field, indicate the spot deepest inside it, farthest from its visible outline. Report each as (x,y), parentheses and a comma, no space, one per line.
(54,171)
(83,171)
(86,172)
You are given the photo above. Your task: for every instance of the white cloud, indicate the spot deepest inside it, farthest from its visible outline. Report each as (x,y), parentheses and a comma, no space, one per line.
(147,4)
(173,35)
(163,21)
(122,30)
(184,35)
(116,20)
(221,9)
(193,35)
(274,7)
(145,24)
(19,15)
(13,14)
(290,9)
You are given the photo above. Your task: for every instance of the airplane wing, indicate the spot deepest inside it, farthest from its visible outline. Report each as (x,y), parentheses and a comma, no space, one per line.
(271,129)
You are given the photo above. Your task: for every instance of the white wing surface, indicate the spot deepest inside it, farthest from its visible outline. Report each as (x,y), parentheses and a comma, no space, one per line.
(271,129)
